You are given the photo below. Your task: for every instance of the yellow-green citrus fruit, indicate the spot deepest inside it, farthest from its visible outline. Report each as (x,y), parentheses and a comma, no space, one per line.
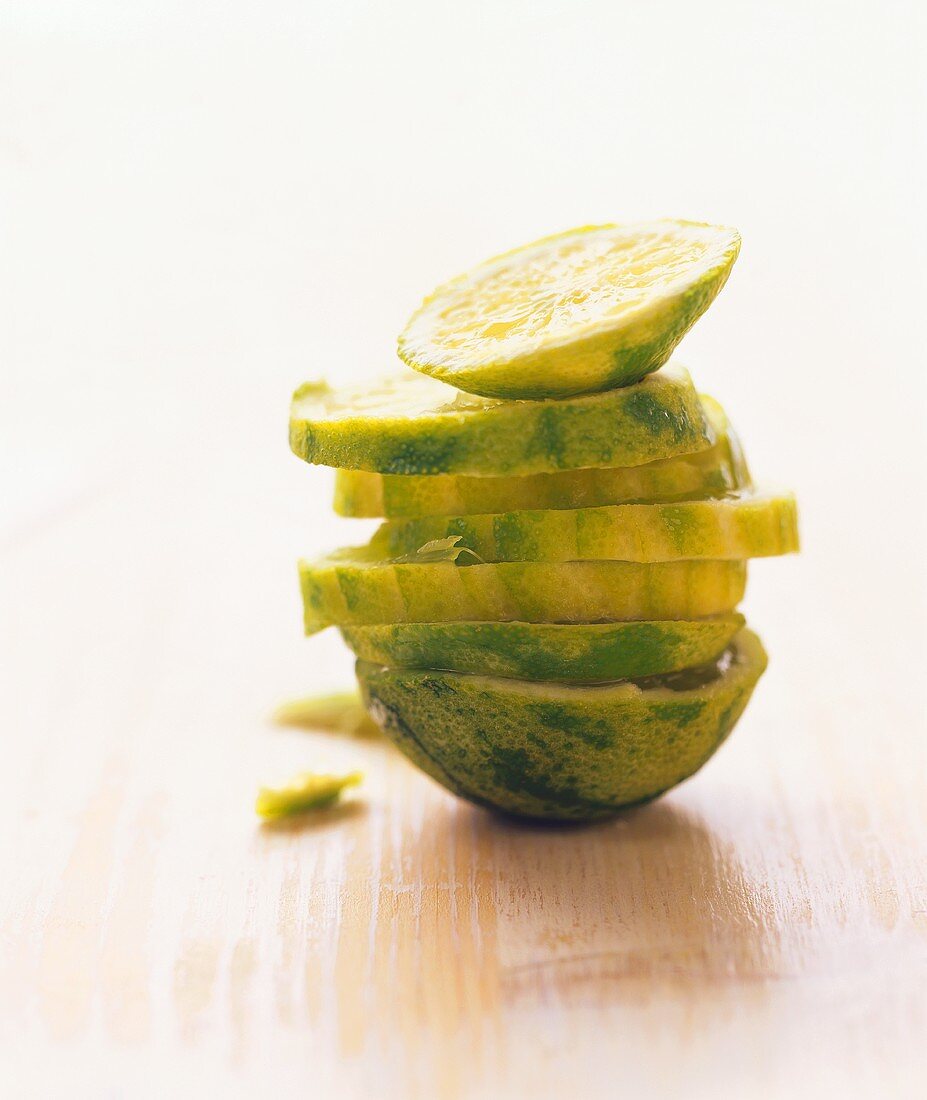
(565,652)
(353,588)
(579,312)
(743,526)
(411,424)
(562,752)
(715,471)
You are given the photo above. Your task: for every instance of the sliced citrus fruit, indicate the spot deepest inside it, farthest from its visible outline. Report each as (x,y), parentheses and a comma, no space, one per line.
(565,652)
(719,469)
(411,424)
(353,587)
(578,312)
(743,526)
(562,751)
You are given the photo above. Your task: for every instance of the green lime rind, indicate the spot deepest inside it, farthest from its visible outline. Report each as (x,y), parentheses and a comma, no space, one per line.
(308,791)
(562,752)
(575,313)
(744,526)
(412,424)
(564,652)
(715,471)
(353,587)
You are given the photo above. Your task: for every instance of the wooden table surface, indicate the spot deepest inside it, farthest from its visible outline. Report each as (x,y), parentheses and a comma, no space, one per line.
(760,931)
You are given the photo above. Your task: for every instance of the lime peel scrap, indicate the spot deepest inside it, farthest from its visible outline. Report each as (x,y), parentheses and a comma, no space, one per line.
(337,712)
(307,791)
(443,549)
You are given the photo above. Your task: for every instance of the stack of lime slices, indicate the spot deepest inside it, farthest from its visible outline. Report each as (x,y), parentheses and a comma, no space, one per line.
(546,622)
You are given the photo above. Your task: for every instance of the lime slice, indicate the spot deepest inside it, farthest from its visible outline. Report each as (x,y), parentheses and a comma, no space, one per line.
(560,751)
(713,472)
(579,312)
(747,526)
(411,424)
(566,652)
(354,588)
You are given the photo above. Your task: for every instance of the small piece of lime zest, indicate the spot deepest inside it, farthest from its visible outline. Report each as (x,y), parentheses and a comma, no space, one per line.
(338,712)
(307,791)
(446,549)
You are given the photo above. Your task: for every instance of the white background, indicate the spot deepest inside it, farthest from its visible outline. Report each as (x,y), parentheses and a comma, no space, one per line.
(205,203)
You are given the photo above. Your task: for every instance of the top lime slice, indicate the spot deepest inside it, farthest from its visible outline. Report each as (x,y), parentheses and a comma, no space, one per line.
(579,312)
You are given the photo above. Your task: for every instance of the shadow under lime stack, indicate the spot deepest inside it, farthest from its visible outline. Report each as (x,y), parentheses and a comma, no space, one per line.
(546,622)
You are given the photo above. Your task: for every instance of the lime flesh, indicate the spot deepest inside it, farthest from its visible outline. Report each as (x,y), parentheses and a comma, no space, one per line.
(579,312)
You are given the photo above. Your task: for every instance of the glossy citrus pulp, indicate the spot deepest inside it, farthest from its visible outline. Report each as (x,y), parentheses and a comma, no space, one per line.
(579,312)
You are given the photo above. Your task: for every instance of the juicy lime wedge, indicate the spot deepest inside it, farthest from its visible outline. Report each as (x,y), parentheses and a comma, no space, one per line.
(713,472)
(562,751)
(578,312)
(353,587)
(746,526)
(565,652)
(411,424)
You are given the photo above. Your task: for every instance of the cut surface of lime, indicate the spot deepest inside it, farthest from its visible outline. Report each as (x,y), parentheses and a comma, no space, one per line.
(564,652)
(561,751)
(411,424)
(579,312)
(718,470)
(744,526)
(353,587)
